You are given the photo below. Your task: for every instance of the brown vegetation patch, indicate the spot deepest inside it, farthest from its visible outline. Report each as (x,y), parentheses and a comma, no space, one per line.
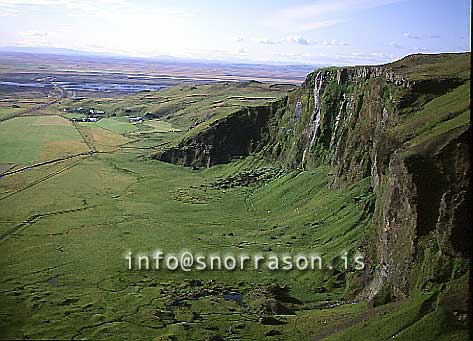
(56,149)
(51,120)
(104,140)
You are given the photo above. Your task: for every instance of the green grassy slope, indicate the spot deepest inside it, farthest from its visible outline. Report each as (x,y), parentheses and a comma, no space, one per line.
(187,105)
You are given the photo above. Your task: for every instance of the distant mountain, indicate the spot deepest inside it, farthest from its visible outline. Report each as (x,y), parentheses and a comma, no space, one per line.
(162,58)
(51,50)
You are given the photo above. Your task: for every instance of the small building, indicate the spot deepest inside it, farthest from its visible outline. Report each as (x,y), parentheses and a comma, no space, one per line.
(84,119)
(135,119)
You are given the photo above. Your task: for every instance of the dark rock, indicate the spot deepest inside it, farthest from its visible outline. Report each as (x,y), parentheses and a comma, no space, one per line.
(272,332)
(270,321)
(69,300)
(215,338)
(196,316)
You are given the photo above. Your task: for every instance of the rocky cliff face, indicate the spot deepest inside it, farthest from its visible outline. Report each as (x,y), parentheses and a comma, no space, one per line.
(422,221)
(350,118)
(405,126)
(239,134)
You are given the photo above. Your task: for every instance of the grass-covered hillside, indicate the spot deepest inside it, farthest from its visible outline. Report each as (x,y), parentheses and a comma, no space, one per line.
(187,105)
(370,160)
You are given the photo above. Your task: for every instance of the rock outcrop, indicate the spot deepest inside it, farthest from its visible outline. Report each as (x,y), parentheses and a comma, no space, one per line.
(391,123)
(241,133)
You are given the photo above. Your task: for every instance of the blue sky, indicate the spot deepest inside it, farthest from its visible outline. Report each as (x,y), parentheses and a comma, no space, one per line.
(299,31)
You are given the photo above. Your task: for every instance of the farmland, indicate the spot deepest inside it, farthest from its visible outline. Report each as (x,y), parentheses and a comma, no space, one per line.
(37,138)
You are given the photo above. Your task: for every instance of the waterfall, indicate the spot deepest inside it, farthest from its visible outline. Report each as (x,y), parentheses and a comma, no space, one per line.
(315,117)
(384,118)
(337,121)
(298,111)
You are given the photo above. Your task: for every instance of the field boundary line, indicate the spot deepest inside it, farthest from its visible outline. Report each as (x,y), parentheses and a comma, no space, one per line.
(26,112)
(84,138)
(39,181)
(34,218)
(44,163)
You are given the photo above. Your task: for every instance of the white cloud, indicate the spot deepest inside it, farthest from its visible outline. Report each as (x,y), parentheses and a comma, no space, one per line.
(359,58)
(334,42)
(322,8)
(322,13)
(85,7)
(6,11)
(369,57)
(297,33)
(396,45)
(266,41)
(291,39)
(298,40)
(34,38)
(34,34)
(420,36)
(411,49)
(17,7)
(68,3)
(312,26)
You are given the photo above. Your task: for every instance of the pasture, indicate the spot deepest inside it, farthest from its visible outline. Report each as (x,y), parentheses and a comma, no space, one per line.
(32,139)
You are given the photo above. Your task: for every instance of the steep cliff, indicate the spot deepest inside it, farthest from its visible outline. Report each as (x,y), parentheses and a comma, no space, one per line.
(405,126)
(240,133)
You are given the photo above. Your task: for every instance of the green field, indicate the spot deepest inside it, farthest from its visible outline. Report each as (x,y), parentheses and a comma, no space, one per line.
(160,126)
(116,125)
(73,115)
(24,137)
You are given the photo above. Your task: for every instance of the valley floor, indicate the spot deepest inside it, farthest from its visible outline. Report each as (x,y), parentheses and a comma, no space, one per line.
(67,225)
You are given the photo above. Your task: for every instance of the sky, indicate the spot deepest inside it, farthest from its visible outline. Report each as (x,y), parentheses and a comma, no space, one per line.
(336,32)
